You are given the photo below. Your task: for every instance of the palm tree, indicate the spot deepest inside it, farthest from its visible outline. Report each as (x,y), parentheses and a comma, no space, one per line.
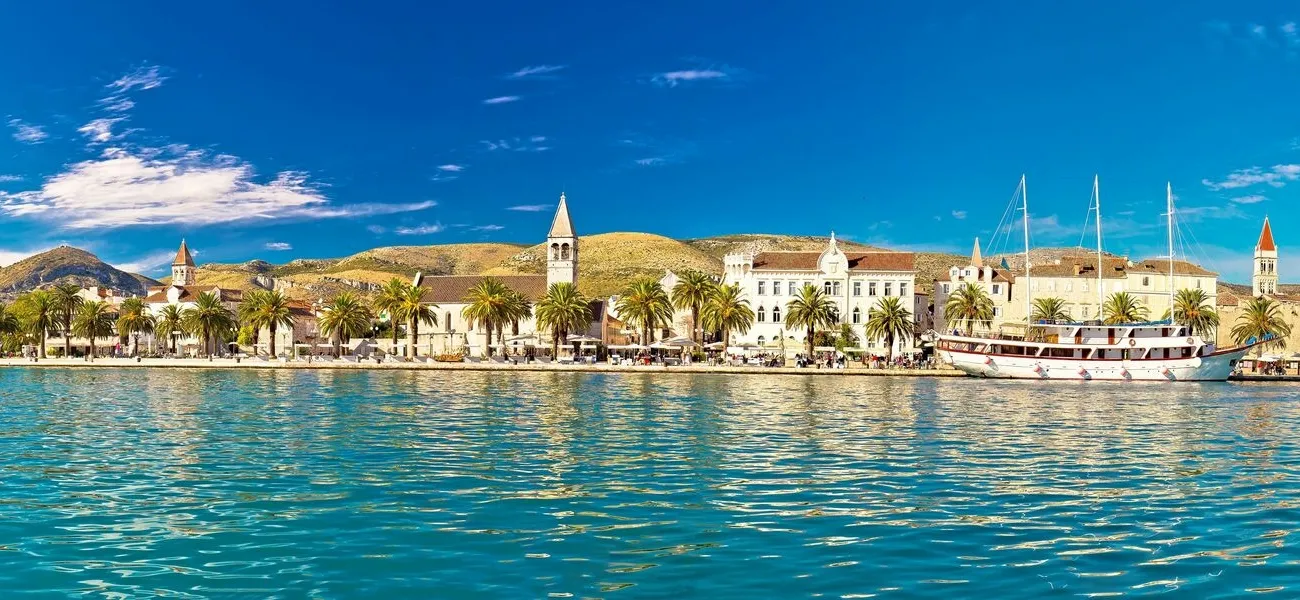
(1262,317)
(414,311)
(269,309)
(1193,309)
(134,319)
(208,318)
(845,337)
(487,306)
(646,305)
(518,307)
(561,310)
(171,323)
(38,313)
(971,305)
(1123,307)
(94,320)
(389,301)
(889,320)
(9,323)
(345,316)
(1049,309)
(67,301)
(727,310)
(810,309)
(692,291)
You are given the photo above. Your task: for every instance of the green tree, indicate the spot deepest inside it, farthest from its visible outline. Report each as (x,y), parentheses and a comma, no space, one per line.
(561,310)
(414,311)
(810,309)
(67,303)
(269,309)
(645,305)
(727,310)
(9,323)
(343,318)
(1262,317)
(94,320)
(389,301)
(38,313)
(133,319)
(170,323)
(1123,307)
(1193,309)
(517,308)
(1049,309)
(208,319)
(692,291)
(969,305)
(889,320)
(845,338)
(486,307)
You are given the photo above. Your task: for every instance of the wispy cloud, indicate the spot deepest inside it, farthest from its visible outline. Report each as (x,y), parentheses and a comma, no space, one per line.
(655,152)
(451,168)
(148,263)
(420,229)
(487,228)
(675,78)
(117,103)
(278,246)
(537,139)
(1276,176)
(1251,199)
(531,144)
(501,100)
(376,229)
(146,77)
(651,161)
(100,131)
(10,178)
(536,72)
(176,185)
(531,207)
(26,132)
(1256,39)
(959,214)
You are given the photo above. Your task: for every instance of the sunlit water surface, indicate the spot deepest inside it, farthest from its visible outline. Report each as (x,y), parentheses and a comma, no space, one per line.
(163,483)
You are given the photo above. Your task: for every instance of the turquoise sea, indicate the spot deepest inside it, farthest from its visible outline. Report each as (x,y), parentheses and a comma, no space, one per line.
(241,484)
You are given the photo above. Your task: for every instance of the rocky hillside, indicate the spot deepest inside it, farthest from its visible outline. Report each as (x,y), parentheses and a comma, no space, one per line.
(66,264)
(607,262)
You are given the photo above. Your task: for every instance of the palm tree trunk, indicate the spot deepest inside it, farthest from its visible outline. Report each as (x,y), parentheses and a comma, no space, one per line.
(555,342)
(812,332)
(393,323)
(42,342)
(135,344)
(67,336)
(889,341)
(270,341)
(695,323)
(414,336)
(92,347)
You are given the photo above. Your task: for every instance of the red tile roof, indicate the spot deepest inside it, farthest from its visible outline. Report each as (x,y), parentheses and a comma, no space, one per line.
(452,289)
(1266,238)
(190,293)
(858,261)
(183,257)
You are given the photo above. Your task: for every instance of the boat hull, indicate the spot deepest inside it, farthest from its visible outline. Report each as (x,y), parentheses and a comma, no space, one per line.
(1215,367)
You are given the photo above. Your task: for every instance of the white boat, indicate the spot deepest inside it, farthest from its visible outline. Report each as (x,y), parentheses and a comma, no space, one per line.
(1093,351)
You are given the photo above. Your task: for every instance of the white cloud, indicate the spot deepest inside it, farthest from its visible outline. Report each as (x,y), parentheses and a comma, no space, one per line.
(537,139)
(27,133)
(1258,32)
(451,168)
(501,100)
(156,186)
(1251,199)
(1276,176)
(673,78)
(650,162)
(278,246)
(117,104)
(420,229)
(487,228)
(376,229)
(10,178)
(1290,33)
(530,207)
(144,78)
(100,131)
(537,71)
(515,144)
(147,263)
(959,214)
(9,257)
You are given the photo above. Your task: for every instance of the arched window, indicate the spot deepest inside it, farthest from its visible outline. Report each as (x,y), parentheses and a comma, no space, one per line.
(555,251)
(776,314)
(857,315)
(761,339)
(564,252)
(762,315)
(446,322)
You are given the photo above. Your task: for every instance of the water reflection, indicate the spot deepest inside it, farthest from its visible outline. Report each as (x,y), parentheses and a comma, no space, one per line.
(356,484)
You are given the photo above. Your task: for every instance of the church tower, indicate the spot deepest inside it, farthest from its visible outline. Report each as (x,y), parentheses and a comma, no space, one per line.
(183,267)
(1264,280)
(562,248)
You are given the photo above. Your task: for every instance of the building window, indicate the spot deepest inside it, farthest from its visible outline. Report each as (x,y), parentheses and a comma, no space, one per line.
(762,315)
(1146,282)
(965,273)
(1198,284)
(776,314)
(857,316)
(871,288)
(997,311)
(997,289)
(1083,286)
(835,314)
(762,287)
(902,289)
(1085,312)
(946,289)
(1069,287)
(857,288)
(776,288)
(790,288)
(835,288)
(761,339)
(826,287)
(887,287)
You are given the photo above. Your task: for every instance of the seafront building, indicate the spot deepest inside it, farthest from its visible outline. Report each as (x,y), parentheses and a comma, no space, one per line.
(1264,282)
(183,291)
(855,282)
(1074,279)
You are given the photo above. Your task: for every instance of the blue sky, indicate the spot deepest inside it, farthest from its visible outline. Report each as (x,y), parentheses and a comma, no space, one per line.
(295,129)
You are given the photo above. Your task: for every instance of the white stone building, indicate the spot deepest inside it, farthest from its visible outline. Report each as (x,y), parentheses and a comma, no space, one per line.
(184,292)
(996,283)
(854,281)
(1264,278)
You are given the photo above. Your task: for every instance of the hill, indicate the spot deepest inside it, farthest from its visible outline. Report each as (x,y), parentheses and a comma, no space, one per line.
(66,264)
(723,245)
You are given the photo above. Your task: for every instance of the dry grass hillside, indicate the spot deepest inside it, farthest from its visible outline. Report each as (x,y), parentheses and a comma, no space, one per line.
(607,262)
(721,246)
(66,264)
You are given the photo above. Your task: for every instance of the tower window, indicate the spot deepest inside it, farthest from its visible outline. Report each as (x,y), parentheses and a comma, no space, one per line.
(564,252)
(555,252)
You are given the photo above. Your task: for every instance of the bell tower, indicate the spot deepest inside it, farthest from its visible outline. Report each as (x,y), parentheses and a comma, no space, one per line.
(561,248)
(183,267)
(1264,279)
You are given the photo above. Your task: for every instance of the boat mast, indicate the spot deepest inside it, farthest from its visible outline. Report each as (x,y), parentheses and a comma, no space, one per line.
(1024,205)
(1169,224)
(1096,194)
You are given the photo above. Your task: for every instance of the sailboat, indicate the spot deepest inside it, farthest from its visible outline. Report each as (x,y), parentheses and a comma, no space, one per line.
(1093,350)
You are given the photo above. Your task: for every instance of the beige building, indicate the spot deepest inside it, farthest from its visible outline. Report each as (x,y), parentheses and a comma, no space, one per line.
(995,281)
(1264,282)
(183,292)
